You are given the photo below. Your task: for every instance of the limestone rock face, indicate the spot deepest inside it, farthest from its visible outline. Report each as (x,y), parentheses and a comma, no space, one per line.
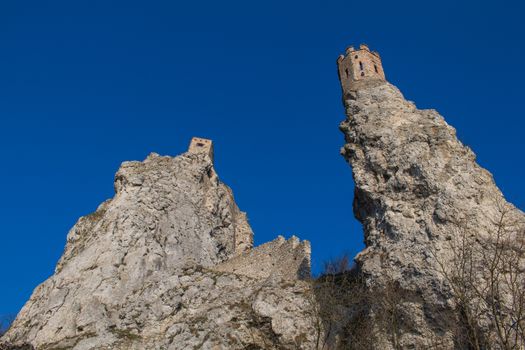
(416,186)
(136,274)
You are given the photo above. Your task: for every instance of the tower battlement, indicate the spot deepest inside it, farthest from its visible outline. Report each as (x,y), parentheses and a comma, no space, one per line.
(359,65)
(363,47)
(199,145)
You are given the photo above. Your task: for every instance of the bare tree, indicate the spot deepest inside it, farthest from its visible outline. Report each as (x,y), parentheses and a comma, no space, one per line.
(349,314)
(338,265)
(486,275)
(329,298)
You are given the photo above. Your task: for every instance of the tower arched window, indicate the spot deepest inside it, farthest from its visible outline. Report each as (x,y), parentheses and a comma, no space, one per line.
(375,68)
(346,71)
(360,65)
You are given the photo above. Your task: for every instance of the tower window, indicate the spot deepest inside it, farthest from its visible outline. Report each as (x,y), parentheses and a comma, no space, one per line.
(200,144)
(375,67)
(356,57)
(362,74)
(360,65)
(346,71)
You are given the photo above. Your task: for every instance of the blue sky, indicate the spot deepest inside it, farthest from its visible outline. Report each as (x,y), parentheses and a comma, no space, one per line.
(85,85)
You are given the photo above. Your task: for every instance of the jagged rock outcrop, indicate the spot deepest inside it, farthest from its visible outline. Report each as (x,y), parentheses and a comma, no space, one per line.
(168,262)
(137,273)
(417,188)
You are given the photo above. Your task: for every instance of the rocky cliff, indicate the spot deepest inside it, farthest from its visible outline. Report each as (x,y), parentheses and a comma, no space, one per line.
(168,263)
(419,193)
(139,272)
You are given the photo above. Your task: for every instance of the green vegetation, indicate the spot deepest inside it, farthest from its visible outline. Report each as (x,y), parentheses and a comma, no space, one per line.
(125,334)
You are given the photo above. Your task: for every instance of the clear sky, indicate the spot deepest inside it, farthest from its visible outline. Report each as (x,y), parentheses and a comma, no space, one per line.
(86,85)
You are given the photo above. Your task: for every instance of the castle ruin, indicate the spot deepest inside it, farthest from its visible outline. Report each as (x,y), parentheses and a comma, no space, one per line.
(287,259)
(359,67)
(200,145)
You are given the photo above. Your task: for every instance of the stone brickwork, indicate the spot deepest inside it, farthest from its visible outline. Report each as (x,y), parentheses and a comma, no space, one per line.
(357,66)
(289,259)
(199,145)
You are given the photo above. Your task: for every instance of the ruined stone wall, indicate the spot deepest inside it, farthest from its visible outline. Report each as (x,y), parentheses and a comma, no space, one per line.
(289,259)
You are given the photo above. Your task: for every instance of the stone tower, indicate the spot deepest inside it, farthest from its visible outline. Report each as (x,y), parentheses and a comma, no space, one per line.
(198,145)
(359,66)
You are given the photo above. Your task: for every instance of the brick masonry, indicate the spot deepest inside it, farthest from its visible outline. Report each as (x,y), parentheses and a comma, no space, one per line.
(359,66)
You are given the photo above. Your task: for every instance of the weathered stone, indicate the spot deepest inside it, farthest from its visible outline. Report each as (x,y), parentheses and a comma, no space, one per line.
(286,259)
(416,186)
(136,273)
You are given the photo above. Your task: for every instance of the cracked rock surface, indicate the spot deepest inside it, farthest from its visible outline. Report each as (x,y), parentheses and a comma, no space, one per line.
(135,273)
(416,186)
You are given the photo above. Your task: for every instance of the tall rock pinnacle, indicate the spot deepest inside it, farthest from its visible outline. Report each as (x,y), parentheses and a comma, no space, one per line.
(417,189)
(144,270)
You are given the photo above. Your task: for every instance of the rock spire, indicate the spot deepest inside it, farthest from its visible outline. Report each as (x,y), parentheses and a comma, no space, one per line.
(418,190)
(139,272)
